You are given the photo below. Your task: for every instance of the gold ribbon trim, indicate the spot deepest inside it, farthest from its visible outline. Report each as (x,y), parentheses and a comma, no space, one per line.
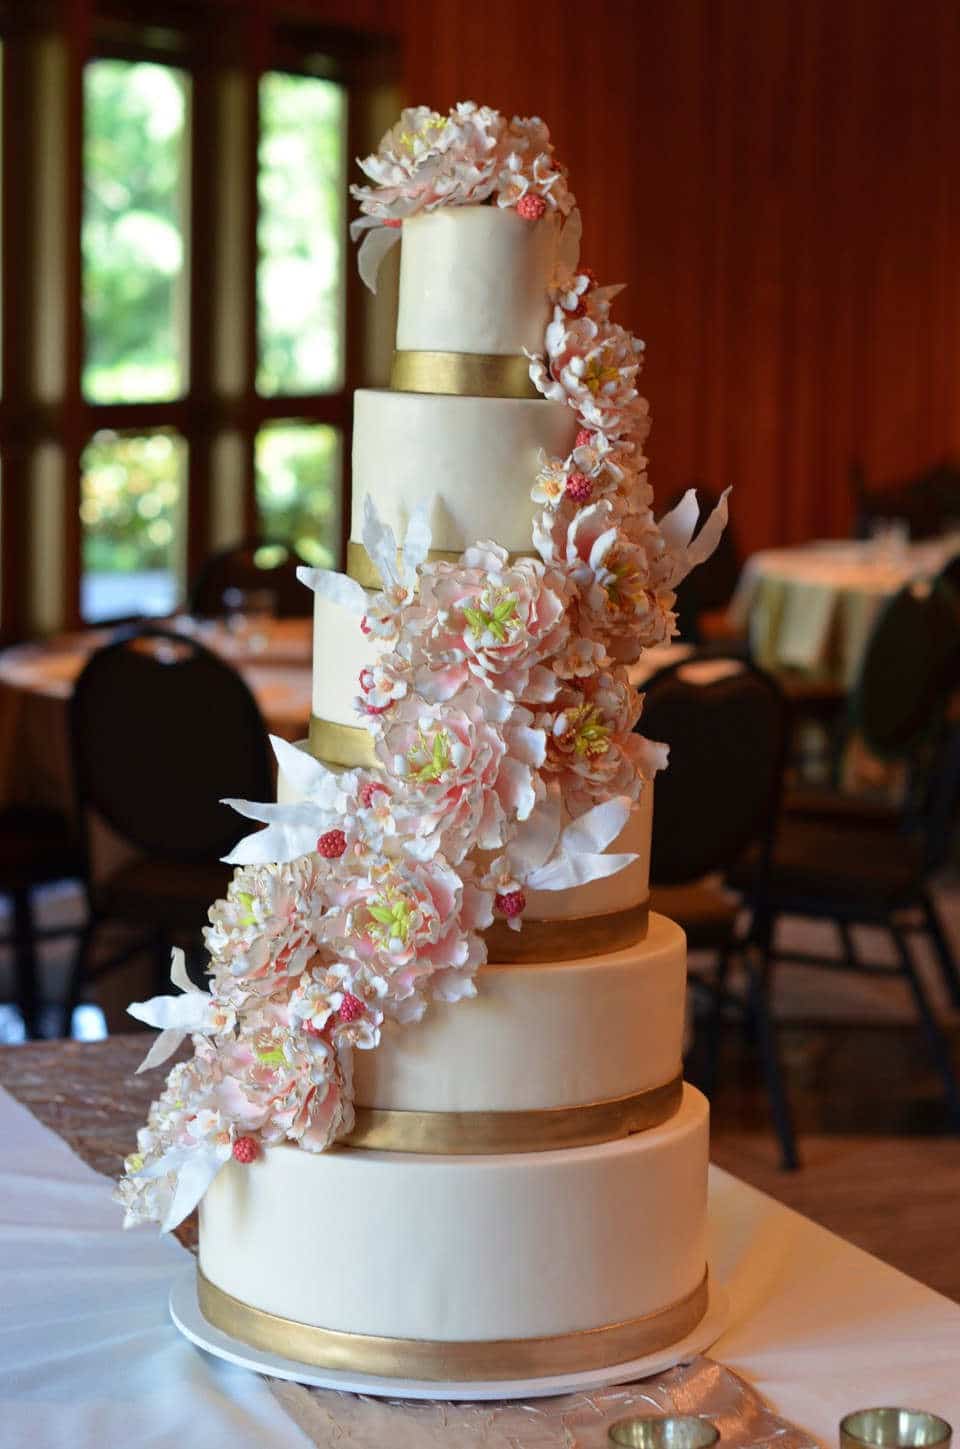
(340,744)
(545,1130)
(363,570)
(468,1362)
(465,374)
(566,940)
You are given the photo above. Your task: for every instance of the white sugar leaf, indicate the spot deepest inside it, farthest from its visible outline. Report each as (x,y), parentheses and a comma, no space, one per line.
(374,247)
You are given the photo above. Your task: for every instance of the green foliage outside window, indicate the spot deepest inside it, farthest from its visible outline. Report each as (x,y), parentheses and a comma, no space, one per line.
(296,465)
(302,196)
(134,173)
(131,502)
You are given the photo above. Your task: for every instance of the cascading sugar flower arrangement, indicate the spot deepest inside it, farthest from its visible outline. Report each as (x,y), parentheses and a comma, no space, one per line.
(501,717)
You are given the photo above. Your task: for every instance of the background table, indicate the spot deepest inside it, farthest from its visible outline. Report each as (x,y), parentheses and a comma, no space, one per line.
(818,1326)
(809,610)
(36,681)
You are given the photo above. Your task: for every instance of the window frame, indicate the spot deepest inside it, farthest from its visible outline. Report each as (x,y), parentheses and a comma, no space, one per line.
(202,38)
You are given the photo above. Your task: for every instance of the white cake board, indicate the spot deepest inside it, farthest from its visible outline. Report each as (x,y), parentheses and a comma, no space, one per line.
(185,1312)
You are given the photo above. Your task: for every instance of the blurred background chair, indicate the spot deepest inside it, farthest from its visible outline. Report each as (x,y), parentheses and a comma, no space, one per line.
(928,503)
(726,724)
(38,847)
(859,862)
(256,567)
(161,731)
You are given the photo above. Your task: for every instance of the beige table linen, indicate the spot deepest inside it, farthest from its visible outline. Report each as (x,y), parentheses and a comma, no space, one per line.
(810,610)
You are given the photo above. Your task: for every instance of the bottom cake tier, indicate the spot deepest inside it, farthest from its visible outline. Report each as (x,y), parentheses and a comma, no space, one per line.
(463,1267)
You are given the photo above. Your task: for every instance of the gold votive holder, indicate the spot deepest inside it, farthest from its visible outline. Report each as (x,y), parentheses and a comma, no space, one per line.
(664,1431)
(894,1429)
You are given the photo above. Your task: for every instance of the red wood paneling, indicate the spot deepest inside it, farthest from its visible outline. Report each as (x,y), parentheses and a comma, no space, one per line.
(778,182)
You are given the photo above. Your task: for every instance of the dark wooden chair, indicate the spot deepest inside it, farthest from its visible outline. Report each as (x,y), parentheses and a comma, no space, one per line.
(161,730)
(726,724)
(38,847)
(856,863)
(255,566)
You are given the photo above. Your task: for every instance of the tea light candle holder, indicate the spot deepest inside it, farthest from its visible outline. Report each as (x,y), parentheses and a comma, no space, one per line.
(894,1429)
(664,1431)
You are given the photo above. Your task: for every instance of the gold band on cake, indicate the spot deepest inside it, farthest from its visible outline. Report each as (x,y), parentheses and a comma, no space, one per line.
(340,744)
(566,940)
(463,374)
(547,1129)
(468,1362)
(362,569)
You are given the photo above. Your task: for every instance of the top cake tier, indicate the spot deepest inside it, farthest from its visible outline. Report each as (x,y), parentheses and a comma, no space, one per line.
(475,279)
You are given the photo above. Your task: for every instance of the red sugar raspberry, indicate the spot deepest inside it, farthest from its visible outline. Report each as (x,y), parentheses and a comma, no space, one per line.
(579,488)
(332,844)
(350,1007)
(583,439)
(511,904)
(246,1150)
(367,792)
(531,207)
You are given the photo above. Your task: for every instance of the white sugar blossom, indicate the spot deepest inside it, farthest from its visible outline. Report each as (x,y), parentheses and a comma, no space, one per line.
(177,1016)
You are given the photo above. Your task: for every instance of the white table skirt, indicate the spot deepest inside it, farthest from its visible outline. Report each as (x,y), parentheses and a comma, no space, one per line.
(88,1356)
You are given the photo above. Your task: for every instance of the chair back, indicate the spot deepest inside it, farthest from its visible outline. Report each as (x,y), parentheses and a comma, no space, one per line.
(255,566)
(161,731)
(726,724)
(908,667)
(928,502)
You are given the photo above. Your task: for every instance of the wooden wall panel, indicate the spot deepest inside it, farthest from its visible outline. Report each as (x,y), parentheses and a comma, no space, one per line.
(778,182)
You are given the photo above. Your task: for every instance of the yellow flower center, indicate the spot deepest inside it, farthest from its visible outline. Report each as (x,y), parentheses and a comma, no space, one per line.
(587,732)
(429,758)
(597,376)
(496,615)
(393,915)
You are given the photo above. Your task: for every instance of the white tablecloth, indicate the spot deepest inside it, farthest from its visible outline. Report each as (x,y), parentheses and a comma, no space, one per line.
(88,1356)
(810,609)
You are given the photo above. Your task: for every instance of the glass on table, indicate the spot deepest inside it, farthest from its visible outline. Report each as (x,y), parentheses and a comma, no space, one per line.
(249,615)
(893,1428)
(889,539)
(664,1431)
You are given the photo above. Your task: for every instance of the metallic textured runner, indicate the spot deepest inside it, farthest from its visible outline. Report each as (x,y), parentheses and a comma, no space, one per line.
(409,1358)
(545,1129)
(463,374)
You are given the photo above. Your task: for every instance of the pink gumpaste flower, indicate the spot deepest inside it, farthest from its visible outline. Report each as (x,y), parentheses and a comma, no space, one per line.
(591,749)
(529,170)
(460,774)
(402,922)
(491,620)
(593,366)
(382,684)
(267,927)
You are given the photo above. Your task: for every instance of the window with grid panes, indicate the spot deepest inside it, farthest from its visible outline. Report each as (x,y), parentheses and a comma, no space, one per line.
(201,394)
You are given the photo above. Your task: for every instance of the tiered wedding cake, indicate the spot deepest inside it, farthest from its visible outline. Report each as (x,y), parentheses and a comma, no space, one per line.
(451,979)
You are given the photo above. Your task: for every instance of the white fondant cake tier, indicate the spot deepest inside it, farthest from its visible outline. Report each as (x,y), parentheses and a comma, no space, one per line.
(465,1249)
(340,651)
(537,1037)
(475,279)
(615,893)
(473,459)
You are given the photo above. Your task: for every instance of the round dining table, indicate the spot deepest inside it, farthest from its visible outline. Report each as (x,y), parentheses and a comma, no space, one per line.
(809,610)
(37,679)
